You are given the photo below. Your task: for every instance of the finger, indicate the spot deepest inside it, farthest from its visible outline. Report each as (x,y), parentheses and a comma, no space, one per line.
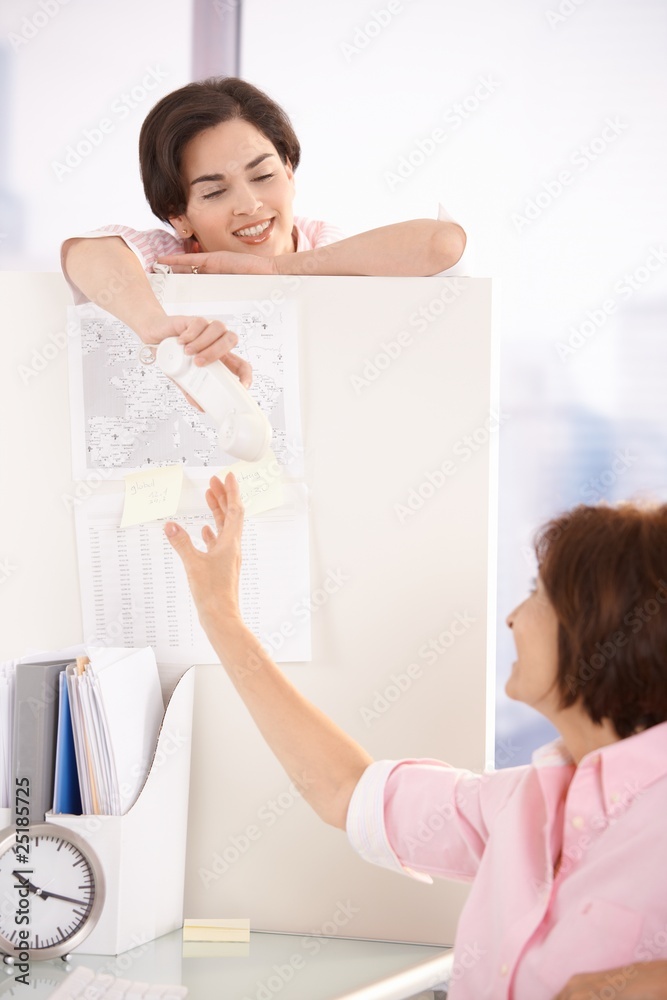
(209,536)
(192,331)
(228,495)
(234,511)
(216,509)
(219,492)
(242,369)
(212,343)
(180,541)
(187,260)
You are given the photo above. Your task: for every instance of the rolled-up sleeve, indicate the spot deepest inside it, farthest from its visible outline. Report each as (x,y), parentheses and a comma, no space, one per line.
(146,246)
(424,818)
(366,827)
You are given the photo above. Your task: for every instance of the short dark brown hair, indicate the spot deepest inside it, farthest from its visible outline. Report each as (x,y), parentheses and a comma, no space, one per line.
(183,114)
(604,569)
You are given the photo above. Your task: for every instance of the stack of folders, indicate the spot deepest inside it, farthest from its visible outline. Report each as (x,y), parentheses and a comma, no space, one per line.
(7,682)
(85,730)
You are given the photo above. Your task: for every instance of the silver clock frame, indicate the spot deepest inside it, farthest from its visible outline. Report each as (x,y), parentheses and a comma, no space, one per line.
(64,947)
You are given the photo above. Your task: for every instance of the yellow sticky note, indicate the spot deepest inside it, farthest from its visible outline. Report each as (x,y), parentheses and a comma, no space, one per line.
(260,483)
(217,929)
(152,494)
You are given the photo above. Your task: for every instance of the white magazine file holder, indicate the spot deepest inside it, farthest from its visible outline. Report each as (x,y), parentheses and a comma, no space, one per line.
(142,853)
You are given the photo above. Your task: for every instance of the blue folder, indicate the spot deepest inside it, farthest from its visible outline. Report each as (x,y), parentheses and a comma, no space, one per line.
(66,792)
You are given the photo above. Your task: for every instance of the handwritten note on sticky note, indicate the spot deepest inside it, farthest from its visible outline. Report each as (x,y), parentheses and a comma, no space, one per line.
(260,483)
(152,494)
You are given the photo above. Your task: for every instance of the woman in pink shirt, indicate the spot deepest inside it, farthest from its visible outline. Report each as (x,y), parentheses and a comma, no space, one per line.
(217,162)
(566,855)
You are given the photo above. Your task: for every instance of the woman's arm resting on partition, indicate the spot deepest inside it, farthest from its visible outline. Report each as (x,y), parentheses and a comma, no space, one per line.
(110,274)
(643,981)
(322,761)
(417,248)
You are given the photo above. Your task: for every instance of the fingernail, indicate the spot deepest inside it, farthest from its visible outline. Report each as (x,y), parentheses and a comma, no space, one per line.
(171,529)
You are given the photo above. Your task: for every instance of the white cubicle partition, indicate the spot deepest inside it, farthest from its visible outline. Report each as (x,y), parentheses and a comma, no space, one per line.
(398,383)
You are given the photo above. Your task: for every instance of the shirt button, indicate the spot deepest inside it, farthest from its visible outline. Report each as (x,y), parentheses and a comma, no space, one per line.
(504,969)
(578,822)
(615,796)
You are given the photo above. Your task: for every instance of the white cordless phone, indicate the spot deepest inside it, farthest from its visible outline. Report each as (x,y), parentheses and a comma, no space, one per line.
(244,431)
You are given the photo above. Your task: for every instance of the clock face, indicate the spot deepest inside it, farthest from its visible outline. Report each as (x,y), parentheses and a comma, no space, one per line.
(49,892)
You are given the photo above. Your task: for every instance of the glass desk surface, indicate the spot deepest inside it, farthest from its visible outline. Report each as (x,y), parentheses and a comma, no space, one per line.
(291,967)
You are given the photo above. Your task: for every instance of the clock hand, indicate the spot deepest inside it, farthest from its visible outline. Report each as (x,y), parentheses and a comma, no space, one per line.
(45,894)
(68,899)
(28,884)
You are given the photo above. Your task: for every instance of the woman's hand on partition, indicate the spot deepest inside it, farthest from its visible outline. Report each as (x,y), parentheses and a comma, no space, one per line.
(219,262)
(213,576)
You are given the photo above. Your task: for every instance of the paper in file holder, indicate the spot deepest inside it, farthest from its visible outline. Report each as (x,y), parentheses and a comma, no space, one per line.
(142,853)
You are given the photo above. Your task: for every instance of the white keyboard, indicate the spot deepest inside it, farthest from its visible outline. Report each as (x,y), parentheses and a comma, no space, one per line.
(84,984)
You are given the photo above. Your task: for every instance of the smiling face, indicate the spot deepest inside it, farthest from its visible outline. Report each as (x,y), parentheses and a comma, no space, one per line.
(239,192)
(535,630)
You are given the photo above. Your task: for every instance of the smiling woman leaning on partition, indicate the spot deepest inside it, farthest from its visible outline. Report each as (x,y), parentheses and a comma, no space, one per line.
(217,161)
(566,855)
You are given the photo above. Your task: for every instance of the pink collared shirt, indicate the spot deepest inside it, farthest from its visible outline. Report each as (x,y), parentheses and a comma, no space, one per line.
(153,243)
(524,931)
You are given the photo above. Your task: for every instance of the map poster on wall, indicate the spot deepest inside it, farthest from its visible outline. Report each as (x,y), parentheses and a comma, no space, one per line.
(127,415)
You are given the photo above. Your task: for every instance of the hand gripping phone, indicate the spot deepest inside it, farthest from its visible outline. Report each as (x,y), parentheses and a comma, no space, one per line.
(243,430)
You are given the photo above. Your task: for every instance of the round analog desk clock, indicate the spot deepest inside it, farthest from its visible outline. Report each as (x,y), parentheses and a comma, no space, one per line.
(51,892)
